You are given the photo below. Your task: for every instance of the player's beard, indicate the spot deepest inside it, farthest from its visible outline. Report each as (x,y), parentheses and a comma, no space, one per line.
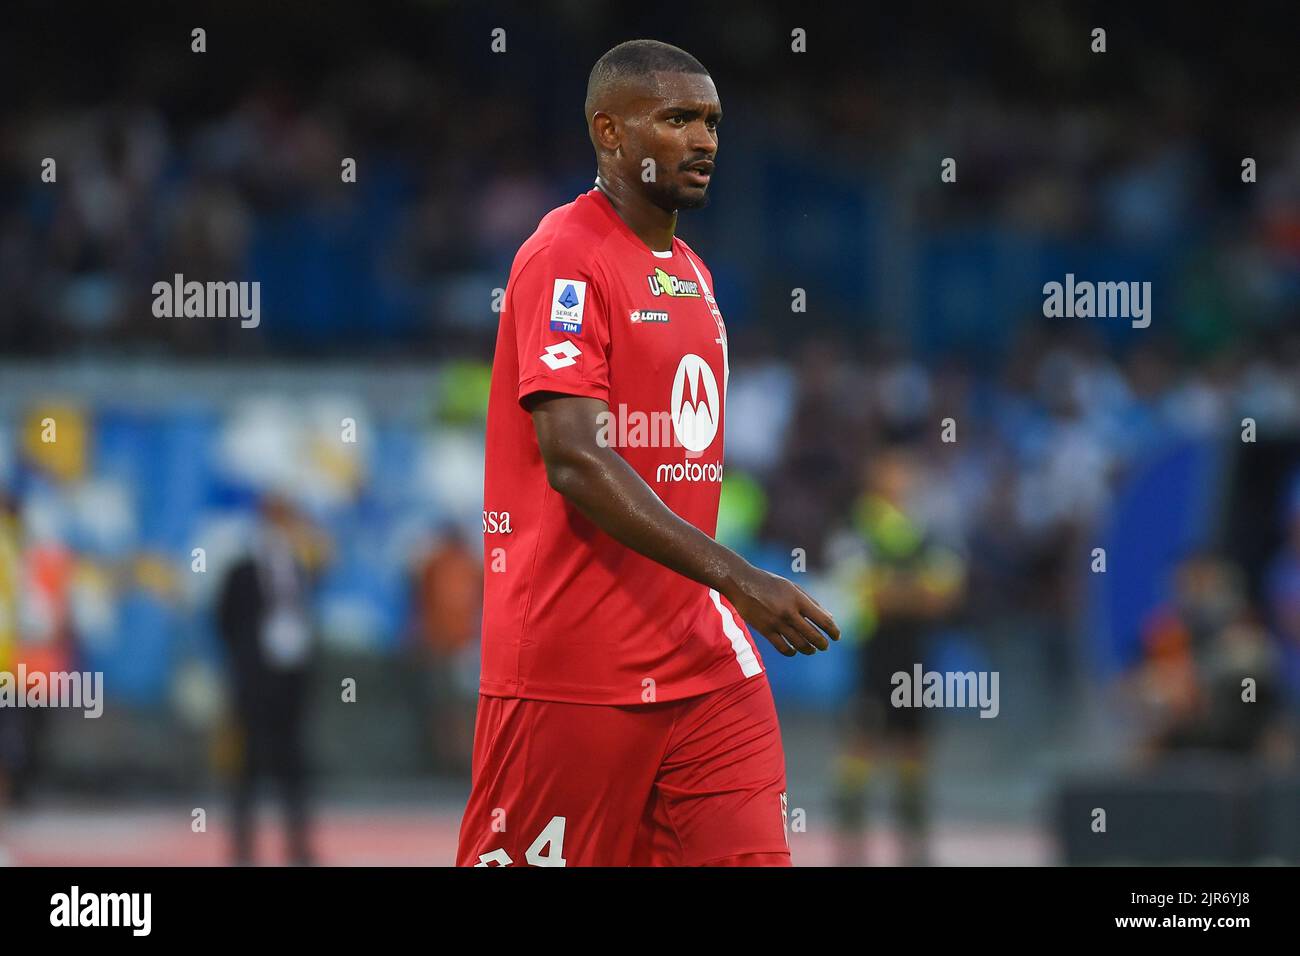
(671,197)
(694,200)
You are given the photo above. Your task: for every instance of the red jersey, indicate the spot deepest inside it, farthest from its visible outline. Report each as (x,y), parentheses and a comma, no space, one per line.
(569,614)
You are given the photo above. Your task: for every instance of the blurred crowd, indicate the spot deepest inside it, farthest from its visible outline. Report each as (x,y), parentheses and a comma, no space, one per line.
(829,180)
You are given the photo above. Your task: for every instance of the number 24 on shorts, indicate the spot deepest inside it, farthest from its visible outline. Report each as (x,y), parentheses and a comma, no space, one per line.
(550,840)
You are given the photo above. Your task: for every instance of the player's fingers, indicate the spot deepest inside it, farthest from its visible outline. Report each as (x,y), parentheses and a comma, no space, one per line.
(797,636)
(807,631)
(819,638)
(822,618)
(795,640)
(777,640)
(811,610)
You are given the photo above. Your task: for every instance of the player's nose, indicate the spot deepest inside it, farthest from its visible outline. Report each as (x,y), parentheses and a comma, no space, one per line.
(704,142)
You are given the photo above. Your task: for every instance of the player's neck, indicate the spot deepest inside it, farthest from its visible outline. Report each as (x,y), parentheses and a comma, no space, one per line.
(652,225)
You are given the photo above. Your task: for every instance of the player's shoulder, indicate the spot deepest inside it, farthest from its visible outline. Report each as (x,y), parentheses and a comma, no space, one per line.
(570,236)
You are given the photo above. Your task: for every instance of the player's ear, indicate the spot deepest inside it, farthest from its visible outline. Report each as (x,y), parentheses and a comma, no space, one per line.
(605,131)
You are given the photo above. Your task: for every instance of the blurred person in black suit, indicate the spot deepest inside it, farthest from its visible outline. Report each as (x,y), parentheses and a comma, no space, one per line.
(265,625)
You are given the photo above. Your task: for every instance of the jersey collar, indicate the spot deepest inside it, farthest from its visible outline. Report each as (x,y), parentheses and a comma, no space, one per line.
(602,201)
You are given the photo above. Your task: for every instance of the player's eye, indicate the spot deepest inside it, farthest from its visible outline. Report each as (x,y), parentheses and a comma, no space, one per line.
(674,119)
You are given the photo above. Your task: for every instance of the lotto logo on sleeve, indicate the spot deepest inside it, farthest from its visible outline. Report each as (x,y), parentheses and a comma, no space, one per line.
(567,302)
(561,355)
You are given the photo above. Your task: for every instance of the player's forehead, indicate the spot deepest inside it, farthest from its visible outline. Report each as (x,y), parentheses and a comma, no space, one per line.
(667,90)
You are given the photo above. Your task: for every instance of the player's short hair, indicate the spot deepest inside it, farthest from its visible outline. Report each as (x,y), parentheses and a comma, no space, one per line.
(636,58)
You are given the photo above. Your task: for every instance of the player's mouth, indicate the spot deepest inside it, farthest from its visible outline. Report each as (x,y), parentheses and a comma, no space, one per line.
(700,173)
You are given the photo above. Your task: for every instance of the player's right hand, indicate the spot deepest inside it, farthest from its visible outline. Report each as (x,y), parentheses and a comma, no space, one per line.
(782,612)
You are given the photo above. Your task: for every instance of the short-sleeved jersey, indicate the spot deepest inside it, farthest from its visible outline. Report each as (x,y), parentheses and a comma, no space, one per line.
(570,614)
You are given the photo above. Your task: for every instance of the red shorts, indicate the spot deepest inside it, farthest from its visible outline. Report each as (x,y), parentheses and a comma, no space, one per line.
(681,783)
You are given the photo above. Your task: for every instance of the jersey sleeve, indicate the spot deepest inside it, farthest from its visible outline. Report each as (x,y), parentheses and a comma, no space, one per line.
(561,325)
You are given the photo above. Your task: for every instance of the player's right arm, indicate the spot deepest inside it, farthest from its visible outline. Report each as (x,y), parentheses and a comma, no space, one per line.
(600,484)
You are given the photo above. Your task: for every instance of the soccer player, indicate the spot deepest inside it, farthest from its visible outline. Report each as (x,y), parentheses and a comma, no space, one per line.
(624,715)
